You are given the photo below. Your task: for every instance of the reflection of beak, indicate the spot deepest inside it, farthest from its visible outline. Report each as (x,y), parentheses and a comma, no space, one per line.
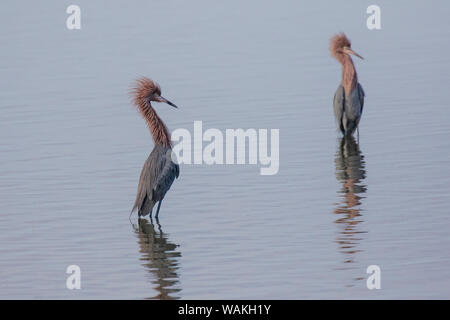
(162,99)
(350,51)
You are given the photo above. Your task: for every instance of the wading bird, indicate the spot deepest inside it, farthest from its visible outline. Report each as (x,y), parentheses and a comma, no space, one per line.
(349,97)
(159,170)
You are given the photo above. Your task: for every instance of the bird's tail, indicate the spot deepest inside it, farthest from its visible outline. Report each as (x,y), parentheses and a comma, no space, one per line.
(132,210)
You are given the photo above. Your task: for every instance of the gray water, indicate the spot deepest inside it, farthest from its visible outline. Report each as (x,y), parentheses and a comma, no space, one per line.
(72,147)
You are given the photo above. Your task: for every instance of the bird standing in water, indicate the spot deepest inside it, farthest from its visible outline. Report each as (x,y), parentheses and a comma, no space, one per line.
(159,170)
(349,96)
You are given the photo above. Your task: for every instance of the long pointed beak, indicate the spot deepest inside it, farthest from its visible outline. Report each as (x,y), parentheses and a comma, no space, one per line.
(354,53)
(162,99)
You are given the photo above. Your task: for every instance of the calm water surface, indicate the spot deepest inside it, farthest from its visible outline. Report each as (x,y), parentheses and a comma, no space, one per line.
(72,147)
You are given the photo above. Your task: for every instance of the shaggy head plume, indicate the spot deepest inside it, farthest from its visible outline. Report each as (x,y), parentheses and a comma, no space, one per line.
(145,91)
(337,43)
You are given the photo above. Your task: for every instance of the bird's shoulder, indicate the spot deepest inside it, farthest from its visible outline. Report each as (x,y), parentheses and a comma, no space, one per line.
(163,161)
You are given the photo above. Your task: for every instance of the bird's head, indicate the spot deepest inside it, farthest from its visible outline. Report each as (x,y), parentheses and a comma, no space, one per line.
(147,90)
(340,45)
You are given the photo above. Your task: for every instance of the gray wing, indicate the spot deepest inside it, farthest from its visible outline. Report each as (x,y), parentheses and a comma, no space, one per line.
(151,171)
(361,95)
(169,172)
(339,107)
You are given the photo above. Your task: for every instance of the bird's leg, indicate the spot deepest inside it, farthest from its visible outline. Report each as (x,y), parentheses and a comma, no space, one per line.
(157,211)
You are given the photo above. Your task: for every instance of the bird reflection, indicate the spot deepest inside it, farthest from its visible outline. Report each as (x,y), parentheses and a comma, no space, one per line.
(160,257)
(350,172)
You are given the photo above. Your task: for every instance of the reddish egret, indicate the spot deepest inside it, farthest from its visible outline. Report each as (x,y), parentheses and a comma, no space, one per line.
(349,96)
(159,170)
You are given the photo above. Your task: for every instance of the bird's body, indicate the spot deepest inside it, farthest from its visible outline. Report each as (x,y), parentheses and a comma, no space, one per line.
(348,108)
(157,176)
(159,170)
(348,100)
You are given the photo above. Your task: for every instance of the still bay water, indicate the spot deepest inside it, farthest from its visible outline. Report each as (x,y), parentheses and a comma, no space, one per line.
(72,147)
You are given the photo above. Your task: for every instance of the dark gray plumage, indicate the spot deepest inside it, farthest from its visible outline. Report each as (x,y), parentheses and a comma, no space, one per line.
(156,178)
(348,109)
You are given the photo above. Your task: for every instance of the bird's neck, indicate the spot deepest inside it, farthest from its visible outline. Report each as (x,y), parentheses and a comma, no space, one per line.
(349,75)
(158,129)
